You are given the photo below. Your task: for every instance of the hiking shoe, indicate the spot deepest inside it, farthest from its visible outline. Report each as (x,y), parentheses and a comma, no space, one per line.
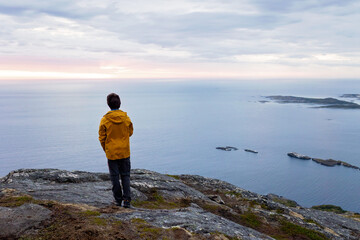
(126,204)
(116,203)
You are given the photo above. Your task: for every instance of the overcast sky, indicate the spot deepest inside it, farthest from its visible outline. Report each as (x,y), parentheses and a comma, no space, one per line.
(238,39)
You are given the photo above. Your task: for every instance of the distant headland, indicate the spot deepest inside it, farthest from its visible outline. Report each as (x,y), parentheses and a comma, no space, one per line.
(322,102)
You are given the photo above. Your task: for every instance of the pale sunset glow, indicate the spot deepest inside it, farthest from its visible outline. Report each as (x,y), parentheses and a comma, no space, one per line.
(182,39)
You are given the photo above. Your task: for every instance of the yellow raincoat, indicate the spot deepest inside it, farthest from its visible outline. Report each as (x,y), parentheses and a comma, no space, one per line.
(114,133)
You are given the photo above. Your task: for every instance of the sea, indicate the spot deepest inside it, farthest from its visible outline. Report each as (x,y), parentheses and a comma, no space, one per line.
(179,123)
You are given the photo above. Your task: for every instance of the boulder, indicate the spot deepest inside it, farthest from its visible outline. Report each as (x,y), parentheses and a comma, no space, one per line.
(16,221)
(299,156)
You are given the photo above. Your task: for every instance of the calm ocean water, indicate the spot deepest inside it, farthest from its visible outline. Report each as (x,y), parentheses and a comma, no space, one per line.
(177,125)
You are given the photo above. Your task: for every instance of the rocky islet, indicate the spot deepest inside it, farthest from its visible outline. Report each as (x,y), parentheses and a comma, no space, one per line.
(325,162)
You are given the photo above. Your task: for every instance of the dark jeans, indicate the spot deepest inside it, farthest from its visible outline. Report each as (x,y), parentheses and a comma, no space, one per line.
(120,167)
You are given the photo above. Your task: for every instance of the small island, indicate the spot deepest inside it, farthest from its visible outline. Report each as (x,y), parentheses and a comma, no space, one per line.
(323,102)
(298,156)
(325,162)
(227,148)
(250,150)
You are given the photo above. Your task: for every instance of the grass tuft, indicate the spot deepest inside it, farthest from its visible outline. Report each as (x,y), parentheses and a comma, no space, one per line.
(138,220)
(299,232)
(173,176)
(15,201)
(251,220)
(329,208)
(234,193)
(99,221)
(156,201)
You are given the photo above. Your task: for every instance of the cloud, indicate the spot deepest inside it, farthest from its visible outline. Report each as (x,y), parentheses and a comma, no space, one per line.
(140,34)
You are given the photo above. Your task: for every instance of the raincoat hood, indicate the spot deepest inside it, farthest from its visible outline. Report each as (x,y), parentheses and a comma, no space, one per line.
(116,116)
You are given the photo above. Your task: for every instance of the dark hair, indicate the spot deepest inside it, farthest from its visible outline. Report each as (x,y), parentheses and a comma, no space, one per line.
(113,101)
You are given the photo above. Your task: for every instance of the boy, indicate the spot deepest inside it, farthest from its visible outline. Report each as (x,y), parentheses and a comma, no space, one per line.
(114,133)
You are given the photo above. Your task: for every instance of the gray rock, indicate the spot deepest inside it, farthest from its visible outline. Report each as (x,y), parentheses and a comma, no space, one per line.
(332,225)
(343,227)
(250,150)
(282,200)
(227,148)
(169,187)
(55,176)
(16,221)
(327,162)
(298,155)
(193,219)
(93,188)
(211,184)
(217,199)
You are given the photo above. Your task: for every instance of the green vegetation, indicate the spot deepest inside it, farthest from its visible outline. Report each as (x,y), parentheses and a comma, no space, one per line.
(89,213)
(15,201)
(118,223)
(308,220)
(252,203)
(234,193)
(299,232)
(286,202)
(173,176)
(264,206)
(151,230)
(280,211)
(99,221)
(138,220)
(156,201)
(251,220)
(217,233)
(145,230)
(232,238)
(211,207)
(329,208)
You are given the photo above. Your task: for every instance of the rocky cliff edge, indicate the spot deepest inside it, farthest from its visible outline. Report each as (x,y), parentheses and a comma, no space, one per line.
(58,204)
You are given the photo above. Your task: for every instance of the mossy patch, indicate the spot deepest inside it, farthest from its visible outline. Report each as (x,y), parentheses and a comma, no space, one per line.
(299,232)
(234,194)
(286,202)
(329,208)
(15,201)
(308,220)
(211,207)
(251,220)
(173,176)
(156,201)
(279,211)
(99,221)
(252,203)
(266,207)
(145,230)
(138,220)
(89,213)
